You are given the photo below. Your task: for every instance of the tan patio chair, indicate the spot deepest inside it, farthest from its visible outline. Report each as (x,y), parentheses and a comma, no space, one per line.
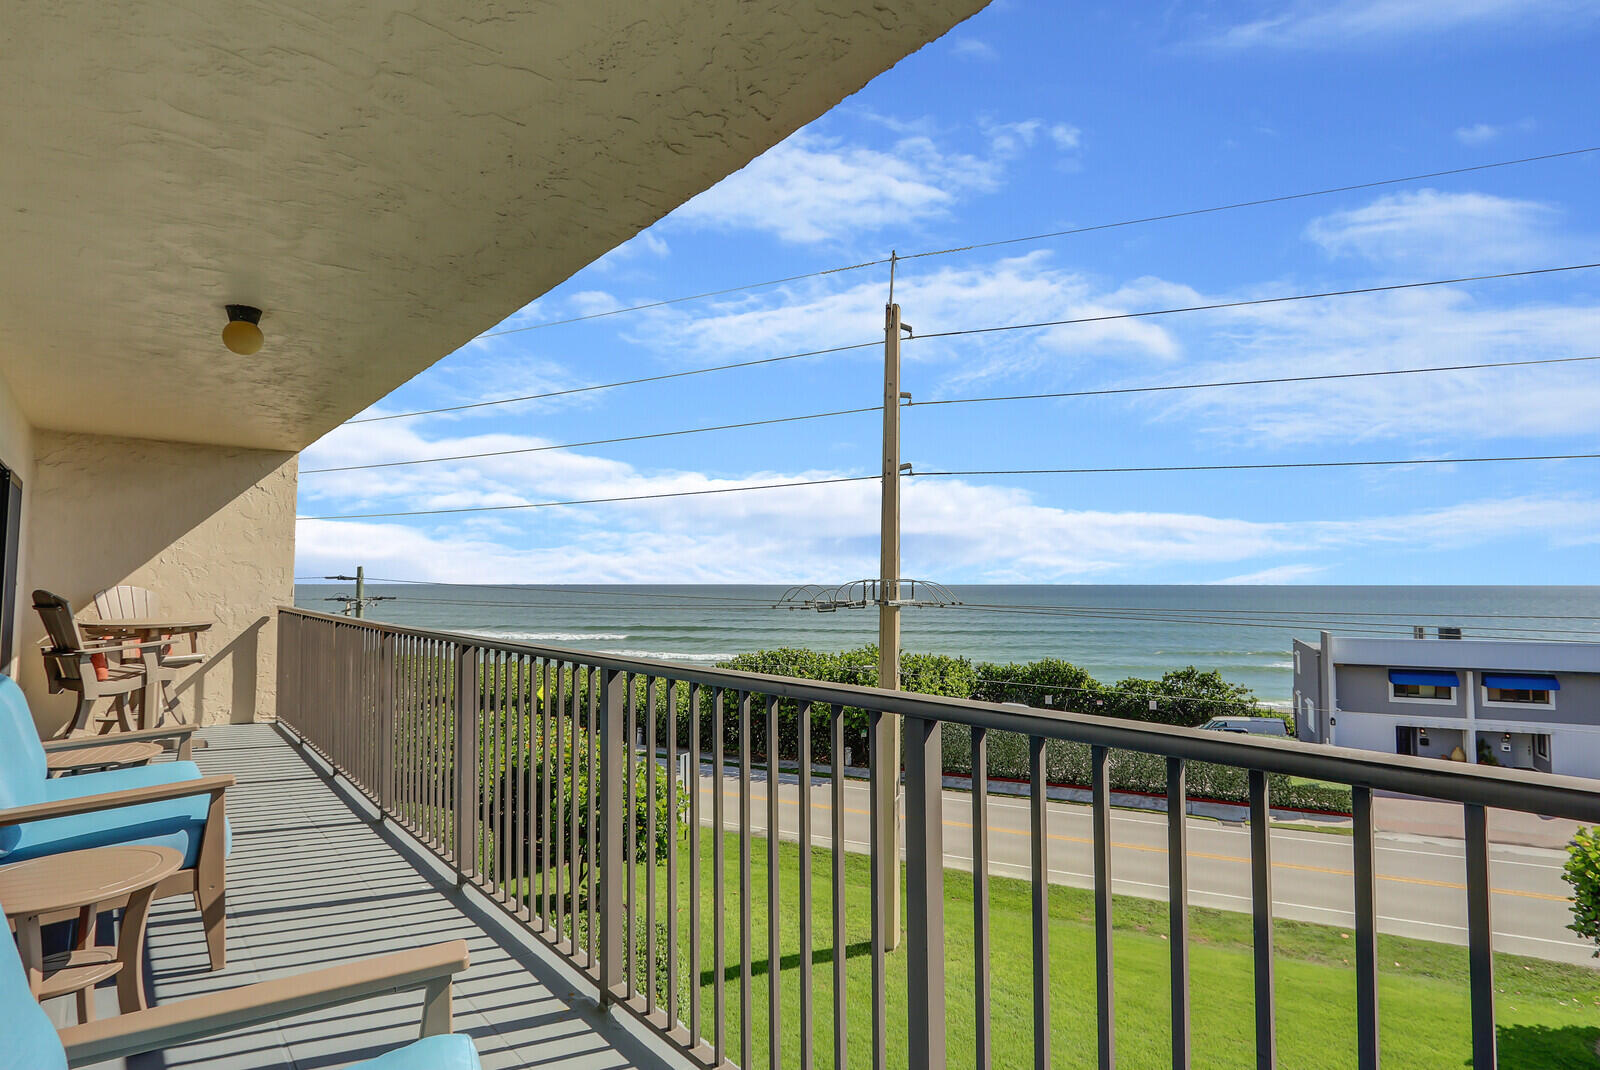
(126,602)
(100,671)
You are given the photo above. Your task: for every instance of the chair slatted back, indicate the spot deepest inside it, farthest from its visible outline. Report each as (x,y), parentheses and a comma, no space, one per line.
(62,629)
(126,602)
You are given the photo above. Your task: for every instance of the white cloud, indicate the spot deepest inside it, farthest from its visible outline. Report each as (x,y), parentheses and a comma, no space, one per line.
(1304,24)
(933,299)
(1483,133)
(1274,575)
(973,48)
(1411,329)
(959,529)
(813,188)
(810,188)
(1454,232)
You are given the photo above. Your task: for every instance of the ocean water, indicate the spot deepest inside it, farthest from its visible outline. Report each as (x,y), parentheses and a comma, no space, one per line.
(1113,631)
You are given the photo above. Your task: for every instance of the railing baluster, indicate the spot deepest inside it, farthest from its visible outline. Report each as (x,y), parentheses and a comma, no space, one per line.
(836,846)
(774,952)
(745,725)
(1178,907)
(670,697)
(1261,920)
(553,878)
(1105,963)
(596,788)
(574,846)
(1366,930)
(522,842)
(696,871)
(551,748)
(1039,824)
(467,784)
(650,839)
(719,1002)
(1480,955)
(925,893)
(630,735)
(504,884)
(804,770)
(982,1042)
(615,752)
(881,856)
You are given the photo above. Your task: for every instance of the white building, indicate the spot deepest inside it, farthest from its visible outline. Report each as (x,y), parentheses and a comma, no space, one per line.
(1526,705)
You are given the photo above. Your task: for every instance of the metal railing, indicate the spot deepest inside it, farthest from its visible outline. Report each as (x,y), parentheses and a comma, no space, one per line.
(485,751)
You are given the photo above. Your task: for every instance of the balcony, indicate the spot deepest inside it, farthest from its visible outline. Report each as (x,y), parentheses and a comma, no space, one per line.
(457,741)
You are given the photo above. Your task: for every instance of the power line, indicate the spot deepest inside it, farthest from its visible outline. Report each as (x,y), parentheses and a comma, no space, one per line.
(596,441)
(622,382)
(1254,301)
(967,472)
(690,297)
(1249,204)
(1249,382)
(593,501)
(1048,235)
(1255,467)
(950,401)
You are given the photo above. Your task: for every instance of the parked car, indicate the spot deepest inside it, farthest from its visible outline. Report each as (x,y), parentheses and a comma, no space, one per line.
(1255,726)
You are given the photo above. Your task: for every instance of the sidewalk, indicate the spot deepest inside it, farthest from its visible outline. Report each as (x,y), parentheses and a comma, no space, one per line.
(1424,817)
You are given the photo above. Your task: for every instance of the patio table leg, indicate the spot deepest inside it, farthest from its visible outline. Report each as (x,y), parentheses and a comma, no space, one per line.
(130,951)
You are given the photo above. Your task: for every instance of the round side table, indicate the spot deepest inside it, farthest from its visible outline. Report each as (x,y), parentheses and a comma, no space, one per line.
(81,880)
(112,755)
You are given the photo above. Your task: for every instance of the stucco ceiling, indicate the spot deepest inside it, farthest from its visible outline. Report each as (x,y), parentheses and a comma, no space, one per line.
(384,179)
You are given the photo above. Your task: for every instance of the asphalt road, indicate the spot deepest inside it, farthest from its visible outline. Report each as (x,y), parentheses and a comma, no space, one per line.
(1421,889)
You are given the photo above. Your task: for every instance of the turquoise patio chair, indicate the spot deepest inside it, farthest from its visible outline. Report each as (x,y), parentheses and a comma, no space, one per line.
(167,805)
(32,1043)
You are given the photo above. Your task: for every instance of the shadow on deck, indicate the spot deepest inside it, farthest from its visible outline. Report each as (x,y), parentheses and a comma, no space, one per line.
(312,882)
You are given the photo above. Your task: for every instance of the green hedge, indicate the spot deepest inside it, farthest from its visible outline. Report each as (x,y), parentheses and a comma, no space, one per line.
(1185,697)
(1068,763)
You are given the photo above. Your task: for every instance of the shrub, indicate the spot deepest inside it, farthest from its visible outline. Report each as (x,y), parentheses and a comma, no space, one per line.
(1582,871)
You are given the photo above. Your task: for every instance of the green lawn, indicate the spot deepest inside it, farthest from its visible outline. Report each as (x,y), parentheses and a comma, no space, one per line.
(1549,1014)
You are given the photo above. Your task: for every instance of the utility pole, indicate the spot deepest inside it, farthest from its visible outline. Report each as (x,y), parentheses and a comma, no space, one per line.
(357,605)
(886,729)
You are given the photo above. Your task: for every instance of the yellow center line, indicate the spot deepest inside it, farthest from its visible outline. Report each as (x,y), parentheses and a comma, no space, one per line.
(1330,870)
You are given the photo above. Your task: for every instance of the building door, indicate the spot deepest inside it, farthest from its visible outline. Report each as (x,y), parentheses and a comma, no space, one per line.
(1405,741)
(10,544)
(1541,753)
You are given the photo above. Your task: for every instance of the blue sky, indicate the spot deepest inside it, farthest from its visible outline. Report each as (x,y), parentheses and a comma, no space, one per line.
(1033,117)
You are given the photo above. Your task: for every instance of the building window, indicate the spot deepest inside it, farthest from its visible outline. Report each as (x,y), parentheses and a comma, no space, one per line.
(1433,691)
(1524,696)
(1541,747)
(1422,685)
(1502,689)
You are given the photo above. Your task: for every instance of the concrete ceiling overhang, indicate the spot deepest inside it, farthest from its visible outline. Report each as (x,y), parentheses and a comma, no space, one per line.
(385,180)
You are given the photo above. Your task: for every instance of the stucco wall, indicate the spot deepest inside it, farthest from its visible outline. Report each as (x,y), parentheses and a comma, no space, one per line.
(16,453)
(209,529)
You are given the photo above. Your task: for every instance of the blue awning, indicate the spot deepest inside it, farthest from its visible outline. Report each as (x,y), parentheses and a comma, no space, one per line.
(1424,677)
(1521,683)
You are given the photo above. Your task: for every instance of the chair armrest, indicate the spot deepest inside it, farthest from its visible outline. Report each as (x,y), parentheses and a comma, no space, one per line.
(111,800)
(224,1012)
(143,735)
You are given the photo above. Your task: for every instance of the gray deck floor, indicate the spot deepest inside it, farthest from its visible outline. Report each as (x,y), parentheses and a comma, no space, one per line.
(312,882)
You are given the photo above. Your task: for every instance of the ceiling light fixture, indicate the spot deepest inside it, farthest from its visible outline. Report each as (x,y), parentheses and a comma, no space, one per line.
(242,335)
